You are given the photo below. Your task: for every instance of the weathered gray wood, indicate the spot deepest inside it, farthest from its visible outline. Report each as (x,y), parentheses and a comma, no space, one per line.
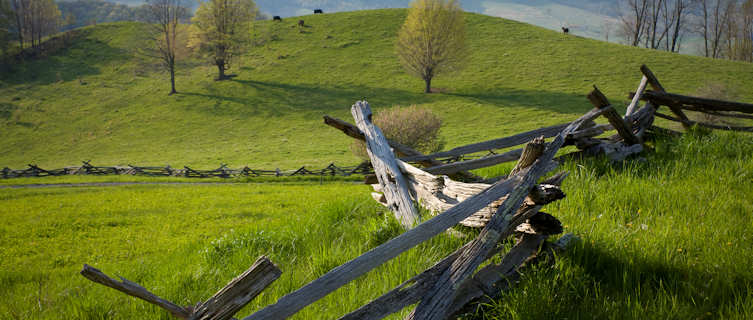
(590,132)
(696,103)
(239,292)
(656,85)
(135,290)
(439,193)
(339,276)
(436,304)
(600,101)
(484,162)
(414,289)
(639,92)
(500,143)
(495,279)
(401,149)
(385,167)
(531,152)
(691,123)
(491,279)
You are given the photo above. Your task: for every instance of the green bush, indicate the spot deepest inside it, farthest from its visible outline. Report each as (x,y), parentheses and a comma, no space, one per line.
(416,127)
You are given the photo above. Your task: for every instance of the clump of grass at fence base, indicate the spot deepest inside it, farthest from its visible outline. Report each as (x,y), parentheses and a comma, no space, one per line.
(669,238)
(97,99)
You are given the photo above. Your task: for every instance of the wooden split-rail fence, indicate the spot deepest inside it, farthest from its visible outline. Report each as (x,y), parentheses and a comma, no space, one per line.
(222,172)
(502,207)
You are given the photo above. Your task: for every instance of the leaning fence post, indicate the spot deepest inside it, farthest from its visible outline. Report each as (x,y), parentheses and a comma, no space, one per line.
(385,167)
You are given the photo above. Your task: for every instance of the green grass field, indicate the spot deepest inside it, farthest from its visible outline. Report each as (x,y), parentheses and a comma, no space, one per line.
(100,100)
(668,238)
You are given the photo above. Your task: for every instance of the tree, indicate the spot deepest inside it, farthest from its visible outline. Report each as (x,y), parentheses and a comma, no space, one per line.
(166,16)
(6,16)
(34,20)
(222,30)
(432,39)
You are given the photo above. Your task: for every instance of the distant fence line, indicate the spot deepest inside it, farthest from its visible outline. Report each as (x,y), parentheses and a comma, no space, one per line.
(222,172)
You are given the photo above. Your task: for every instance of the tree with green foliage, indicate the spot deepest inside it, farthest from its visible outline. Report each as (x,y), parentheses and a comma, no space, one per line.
(432,40)
(166,16)
(222,30)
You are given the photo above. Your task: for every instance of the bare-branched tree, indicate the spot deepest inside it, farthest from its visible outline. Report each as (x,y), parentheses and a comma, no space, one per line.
(166,16)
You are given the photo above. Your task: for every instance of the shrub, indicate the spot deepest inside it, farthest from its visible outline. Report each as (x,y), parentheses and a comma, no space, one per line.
(413,126)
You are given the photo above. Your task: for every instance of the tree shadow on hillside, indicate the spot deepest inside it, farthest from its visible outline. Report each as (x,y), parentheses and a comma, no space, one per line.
(280,99)
(559,102)
(275,99)
(81,59)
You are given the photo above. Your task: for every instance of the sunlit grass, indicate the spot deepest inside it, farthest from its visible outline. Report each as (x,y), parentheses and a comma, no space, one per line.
(667,238)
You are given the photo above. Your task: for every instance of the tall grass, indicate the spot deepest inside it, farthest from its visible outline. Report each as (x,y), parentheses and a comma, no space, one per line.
(666,238)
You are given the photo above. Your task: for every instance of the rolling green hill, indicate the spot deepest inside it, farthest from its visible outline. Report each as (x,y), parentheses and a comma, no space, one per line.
(100,99)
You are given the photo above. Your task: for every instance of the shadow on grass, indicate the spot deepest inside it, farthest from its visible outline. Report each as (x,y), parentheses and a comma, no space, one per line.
(81,57)
(276,99)
(560,102)
(604,284)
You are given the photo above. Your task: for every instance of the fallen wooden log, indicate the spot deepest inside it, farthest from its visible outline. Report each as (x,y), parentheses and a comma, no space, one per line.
(439,193)
(135,290)
(239,292)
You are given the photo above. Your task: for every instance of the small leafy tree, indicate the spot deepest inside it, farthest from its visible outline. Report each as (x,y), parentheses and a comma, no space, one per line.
(432,40)
(222,30)
(413,126)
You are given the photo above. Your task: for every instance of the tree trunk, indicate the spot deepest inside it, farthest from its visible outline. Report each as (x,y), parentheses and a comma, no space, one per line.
(172,79)
(221,69)
(428,85)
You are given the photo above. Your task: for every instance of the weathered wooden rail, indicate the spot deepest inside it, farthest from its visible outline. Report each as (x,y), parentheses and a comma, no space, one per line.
(502,207)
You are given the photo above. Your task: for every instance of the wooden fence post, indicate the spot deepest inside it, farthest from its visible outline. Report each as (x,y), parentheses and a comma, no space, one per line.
(387,171)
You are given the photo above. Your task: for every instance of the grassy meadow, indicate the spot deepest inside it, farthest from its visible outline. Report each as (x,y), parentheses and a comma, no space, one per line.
(670,237)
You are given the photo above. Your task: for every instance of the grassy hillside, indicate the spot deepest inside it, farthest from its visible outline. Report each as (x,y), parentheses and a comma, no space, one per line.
(100,100)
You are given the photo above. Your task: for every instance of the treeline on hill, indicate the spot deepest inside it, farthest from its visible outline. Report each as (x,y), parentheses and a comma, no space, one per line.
(725,26)
(87,12)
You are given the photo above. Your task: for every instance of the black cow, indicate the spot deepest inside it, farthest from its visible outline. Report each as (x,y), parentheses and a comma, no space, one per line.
(565,30)
(276,18)
(300,23)
(318,11)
